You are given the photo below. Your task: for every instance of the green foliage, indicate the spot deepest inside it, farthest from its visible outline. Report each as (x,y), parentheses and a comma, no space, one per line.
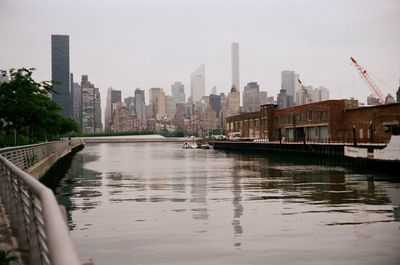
(6,257)
(177,133)
(30,160)
(27,112)
(217,132)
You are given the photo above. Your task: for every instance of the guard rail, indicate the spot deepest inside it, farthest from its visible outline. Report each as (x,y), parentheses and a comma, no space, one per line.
(35,216)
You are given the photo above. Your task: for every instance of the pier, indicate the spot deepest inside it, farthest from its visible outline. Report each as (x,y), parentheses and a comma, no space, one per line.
(309,148)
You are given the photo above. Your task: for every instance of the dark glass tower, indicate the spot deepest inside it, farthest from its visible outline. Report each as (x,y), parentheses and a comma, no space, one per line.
(60,73)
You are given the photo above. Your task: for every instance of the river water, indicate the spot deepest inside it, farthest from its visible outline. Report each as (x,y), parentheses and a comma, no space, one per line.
(156,203)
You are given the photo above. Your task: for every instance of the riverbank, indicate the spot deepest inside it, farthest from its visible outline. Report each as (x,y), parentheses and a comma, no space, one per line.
(132,139)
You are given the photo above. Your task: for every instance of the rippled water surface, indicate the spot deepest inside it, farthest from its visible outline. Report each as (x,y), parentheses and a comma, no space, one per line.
(155,203)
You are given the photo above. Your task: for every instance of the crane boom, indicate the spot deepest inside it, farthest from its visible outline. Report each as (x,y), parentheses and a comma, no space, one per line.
(305,91)
(371,85)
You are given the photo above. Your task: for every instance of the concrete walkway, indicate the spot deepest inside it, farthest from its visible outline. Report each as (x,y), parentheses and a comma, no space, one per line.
(7,241)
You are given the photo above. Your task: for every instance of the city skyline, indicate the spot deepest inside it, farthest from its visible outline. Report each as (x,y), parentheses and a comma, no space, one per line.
(303,36)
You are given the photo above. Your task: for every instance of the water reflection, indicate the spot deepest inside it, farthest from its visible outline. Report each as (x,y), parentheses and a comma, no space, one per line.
(237,206)
(156,202)
(79,189)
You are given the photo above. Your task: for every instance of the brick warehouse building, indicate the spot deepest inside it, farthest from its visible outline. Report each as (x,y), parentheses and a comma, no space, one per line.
(325,121)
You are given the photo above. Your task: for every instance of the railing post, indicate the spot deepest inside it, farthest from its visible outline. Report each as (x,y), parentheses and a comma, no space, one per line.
(21,217)
(34,213)
(35,253)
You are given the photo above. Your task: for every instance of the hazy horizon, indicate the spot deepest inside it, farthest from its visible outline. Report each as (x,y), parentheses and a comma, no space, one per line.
(129,44)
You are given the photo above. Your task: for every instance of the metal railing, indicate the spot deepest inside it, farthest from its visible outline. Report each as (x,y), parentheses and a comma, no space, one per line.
(35,216)
(26,156)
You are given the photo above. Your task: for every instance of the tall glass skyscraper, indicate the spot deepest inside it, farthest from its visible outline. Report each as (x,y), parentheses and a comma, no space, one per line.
(198,84)
(235,65)
(60,73)
(178,92)
(288,82)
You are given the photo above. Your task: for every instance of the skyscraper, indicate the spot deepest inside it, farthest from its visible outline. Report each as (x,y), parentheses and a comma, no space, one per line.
(77,102)
(60,73)
(98,126)
(288,82)
(170,107)
(251,97)
(140,108)
(157,101)
(321,94)
(215,103)
(113,97)
(198,84)
(235,65)
(233,101)
(88,105)
(178,92)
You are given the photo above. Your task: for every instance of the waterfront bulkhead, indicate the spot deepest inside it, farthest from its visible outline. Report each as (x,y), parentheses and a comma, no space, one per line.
(325,121)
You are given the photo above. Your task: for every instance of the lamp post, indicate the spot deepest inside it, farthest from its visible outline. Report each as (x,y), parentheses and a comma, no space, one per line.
(371,132)
(354,136)
(280,135)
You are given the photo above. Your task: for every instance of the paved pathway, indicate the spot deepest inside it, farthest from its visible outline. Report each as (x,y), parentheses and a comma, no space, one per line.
(7,241)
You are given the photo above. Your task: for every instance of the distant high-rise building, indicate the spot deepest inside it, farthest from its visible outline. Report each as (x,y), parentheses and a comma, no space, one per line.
(288,82)
(157,101)
(372,100)
(123,120)
(170,107)
(235,65)
(282,99)
(140,108)
(77,102)
(88,106)
(209,120)
(215,103)
(251,97)
(183,114)
(113,98)
(178,92)
(116,96)
(98,126)
(322,94)
(263,97)
(130,104)
(389,99)
(306,95)
(233,101)
(60,73)
(198,84)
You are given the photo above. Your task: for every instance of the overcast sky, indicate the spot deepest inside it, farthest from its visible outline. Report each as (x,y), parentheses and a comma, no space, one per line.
(152,43)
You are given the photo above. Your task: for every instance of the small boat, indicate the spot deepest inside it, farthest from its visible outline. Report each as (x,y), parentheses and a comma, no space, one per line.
(389,154)
(206,146)
(192,144)
(189,146)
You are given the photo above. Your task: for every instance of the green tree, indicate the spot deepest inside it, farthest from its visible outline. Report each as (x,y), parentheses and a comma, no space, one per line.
(27,110)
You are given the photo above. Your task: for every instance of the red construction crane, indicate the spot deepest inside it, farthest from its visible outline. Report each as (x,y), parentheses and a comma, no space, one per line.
(371,85)
(305,91)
